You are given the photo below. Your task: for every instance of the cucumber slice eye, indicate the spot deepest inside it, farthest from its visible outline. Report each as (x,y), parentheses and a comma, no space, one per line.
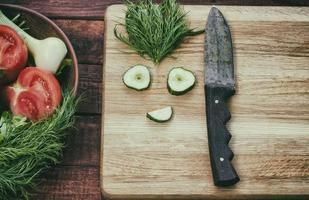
(161,115)
(137,77)
(180,81)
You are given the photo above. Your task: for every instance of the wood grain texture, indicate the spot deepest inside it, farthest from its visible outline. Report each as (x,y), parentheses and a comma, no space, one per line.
(270,113)
(90,87)
(69,182)
(95,9)
(86,38)
(84,143)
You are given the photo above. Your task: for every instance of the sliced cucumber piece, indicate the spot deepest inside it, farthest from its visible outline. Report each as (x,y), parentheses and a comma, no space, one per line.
(161,115)
(137,77)
(180,81)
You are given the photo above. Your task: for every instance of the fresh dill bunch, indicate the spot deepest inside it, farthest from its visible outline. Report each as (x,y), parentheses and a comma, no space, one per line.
(29,148)
(154,30)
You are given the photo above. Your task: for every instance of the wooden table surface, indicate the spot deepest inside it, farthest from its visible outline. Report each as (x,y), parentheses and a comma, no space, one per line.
(77,177)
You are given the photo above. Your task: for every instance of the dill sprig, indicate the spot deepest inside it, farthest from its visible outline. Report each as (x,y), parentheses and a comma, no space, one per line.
(28,148)
(153,29)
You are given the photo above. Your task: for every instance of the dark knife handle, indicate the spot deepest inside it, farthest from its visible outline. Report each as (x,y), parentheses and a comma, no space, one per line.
(221,155)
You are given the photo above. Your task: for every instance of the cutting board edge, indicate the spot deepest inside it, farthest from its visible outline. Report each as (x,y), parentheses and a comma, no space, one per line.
(103,191)
(299,17)
(115,6)
(220,195)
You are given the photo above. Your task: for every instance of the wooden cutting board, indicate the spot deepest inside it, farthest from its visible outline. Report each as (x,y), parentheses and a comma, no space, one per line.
(270,113)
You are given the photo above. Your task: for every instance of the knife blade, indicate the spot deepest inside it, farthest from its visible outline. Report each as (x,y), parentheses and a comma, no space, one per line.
(219,86)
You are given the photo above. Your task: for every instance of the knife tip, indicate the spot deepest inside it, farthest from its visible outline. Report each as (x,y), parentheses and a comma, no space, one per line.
(214,8)
(214,11)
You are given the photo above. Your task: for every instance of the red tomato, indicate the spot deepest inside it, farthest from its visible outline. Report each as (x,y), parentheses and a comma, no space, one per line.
(13,54)
(36,94)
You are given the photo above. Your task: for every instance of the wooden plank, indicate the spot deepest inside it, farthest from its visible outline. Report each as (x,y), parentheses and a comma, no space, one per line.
(95,9)
(86,38)
(83,146)
(67,182)
(90,87)
(270,113)
(156,174)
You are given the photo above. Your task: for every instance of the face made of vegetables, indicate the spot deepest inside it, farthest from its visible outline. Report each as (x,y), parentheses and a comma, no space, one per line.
(179,82)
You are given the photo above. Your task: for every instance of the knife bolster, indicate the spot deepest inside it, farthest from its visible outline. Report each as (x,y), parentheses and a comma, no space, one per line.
(221,155)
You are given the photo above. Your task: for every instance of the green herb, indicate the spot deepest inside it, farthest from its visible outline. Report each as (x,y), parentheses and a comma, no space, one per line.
(29,148)
(65,63)
(153,29)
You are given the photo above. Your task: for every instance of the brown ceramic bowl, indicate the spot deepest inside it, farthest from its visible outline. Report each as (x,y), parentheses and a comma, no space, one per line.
(41,27)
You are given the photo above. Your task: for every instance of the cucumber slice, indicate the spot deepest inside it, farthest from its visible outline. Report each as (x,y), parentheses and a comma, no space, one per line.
(137,77)
(180,81)
(161,115)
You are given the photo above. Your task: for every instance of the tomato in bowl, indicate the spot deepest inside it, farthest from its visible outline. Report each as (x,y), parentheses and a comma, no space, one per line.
(13,54)
(39,27)
(36,94)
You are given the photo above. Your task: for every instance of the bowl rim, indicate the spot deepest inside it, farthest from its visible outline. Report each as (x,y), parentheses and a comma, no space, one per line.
(59,32)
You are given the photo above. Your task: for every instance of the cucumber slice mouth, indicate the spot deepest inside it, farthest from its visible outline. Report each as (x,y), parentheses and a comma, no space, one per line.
(161,115)
(180,81)
(137,77)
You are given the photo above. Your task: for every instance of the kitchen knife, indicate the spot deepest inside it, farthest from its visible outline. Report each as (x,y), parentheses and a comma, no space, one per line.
(219,86)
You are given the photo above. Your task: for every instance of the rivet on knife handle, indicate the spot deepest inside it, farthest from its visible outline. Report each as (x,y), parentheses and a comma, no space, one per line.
(219,86)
